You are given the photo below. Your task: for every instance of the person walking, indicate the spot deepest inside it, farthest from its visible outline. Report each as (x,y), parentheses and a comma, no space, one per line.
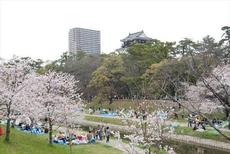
(97,132)
(100,132)
(107,134)
(189,121)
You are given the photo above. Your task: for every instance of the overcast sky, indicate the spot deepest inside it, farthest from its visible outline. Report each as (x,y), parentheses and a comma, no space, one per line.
(39,28)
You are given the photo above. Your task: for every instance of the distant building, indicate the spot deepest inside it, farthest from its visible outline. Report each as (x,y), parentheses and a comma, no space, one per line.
(86,40)
(138,37)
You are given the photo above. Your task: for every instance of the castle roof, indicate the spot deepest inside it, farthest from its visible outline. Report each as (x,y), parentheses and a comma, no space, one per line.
(136,36)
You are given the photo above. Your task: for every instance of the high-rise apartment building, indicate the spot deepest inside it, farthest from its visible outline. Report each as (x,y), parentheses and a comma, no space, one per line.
(86,40)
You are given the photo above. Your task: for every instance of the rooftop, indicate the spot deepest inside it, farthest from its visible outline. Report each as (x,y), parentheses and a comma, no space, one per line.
(134,36)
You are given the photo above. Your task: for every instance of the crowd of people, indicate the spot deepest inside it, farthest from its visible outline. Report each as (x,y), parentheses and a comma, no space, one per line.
(217,122)
(197,122)
(26,125)
(62,138)
(35,129)
(100,133)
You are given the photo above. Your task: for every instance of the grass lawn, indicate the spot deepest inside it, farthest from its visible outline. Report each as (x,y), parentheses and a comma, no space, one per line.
(114,121)
(24,143)
(210,133)
(122,104)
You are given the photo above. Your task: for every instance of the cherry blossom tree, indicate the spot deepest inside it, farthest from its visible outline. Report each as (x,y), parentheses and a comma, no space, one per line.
(54,96)
(30,107)
(213,90)
(147,130)
(12,75)
(68,119)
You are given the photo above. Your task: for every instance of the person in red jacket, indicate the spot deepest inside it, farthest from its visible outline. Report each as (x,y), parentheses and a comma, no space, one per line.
(1,131)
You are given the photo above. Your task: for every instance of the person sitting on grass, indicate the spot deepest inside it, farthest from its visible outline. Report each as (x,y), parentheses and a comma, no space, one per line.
(55,139)
(90,137)
(27,128)
(61,136)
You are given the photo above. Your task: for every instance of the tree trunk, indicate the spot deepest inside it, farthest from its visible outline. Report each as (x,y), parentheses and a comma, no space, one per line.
(50,131)
(229,121)
(227,113)
(149,150)
(8,130)
(70,148)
